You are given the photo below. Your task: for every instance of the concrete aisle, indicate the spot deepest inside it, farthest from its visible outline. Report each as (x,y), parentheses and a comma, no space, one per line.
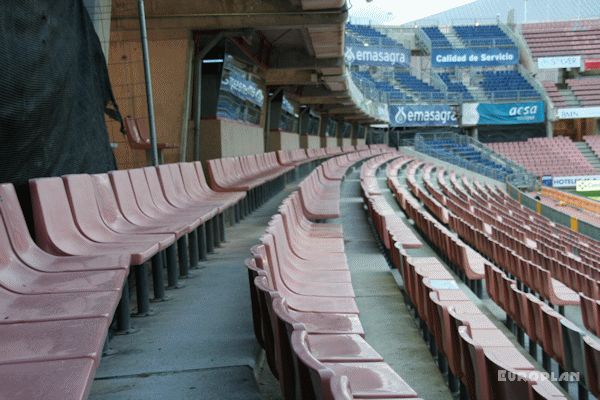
(200,344)
(389,327)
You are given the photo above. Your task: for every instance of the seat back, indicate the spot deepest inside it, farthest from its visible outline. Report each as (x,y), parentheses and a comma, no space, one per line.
(266,295)
(472,365)
(313,378)
(14,220)
(591,351)
(507,389)
(54,225)
(84,206)
(132,190)
(108,206)
(133,131)
(573,348)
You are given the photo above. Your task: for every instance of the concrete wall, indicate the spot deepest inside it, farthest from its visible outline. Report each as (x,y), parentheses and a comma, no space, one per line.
(346,142)
(331,142)
(126,70)
(281,140)
(356,142)
(310,142)
(224,138)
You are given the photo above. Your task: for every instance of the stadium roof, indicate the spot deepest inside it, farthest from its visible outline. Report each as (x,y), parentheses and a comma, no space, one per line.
(537,11)
(387,12)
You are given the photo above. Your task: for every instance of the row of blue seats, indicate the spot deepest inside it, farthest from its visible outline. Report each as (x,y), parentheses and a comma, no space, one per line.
(413,83)
(438,39)
(465,156)
(455,87)
(366,34)
(471,36)
(482,35)
(506,84)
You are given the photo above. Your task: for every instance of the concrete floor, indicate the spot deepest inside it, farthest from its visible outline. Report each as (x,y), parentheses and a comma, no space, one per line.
(200,344)
(389,327)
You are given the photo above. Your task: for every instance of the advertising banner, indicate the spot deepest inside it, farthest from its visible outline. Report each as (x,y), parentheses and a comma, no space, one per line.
(422,115)
(243,88)
(287,106)
(578,112)
(378,56)
(489,57)
(571,181)
(592,64)
(588,185)
(531,112)
(559,62)
(547,180)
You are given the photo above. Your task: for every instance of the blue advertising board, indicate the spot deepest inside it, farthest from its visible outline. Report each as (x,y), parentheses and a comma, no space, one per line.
(484,57)
(241,87)
(378,56)
(531,112)
(547,180)
(422,115)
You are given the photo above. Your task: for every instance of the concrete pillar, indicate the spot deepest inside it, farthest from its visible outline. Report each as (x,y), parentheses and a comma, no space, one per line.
(549,129)
(100,13)
(475,133)
(323,129)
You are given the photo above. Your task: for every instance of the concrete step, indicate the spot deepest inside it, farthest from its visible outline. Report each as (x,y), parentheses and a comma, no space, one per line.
(569,97)
(587,152)
(454,39)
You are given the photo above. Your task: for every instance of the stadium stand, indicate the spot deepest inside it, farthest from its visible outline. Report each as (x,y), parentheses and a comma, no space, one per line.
(546,156)
(496,282)
(452,320)
(500,85)
(315,326)
(92,232)
(593,142)
(438,39)
(587,90)
(455,150)
(371,36)
(563,38)
(456,87)
(554,94)
(417,87)
(482,36)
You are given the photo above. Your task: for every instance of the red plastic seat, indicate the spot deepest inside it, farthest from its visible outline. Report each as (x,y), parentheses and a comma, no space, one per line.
(49,380)
(80,190)
(111,210)
(57,232)
(368,379)
(52,340)
(29,252)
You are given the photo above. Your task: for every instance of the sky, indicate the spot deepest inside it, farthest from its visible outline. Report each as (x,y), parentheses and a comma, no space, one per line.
(398,12)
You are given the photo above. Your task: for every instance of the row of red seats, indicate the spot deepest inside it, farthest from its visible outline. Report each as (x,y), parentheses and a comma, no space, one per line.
(559,338)
(567,346)
(466,262)
(392,230)
(468,345)
(503,250)
(542,241)
(305,315)
(58,300)
(320,191)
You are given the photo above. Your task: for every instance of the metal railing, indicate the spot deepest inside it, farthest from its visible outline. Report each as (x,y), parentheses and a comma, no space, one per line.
(519,176)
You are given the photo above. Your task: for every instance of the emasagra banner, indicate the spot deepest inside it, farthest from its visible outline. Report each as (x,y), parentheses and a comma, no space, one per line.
(243,88)
(422,115)
(378,56)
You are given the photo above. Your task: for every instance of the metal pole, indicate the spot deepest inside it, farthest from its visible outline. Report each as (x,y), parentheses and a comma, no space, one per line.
(149,97)
(198,104)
